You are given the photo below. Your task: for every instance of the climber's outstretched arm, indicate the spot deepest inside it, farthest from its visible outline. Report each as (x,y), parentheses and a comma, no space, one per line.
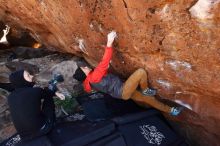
(102,67)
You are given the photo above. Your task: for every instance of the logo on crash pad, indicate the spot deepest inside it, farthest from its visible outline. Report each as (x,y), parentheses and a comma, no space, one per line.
(151,134)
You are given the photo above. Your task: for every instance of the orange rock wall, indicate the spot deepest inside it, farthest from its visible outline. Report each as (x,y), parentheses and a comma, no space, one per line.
(176,41)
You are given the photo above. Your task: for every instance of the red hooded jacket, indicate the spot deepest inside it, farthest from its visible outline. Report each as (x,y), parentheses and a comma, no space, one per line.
(100,80)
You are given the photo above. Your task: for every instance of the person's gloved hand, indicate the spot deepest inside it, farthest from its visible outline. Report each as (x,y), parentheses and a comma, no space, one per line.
(111,37)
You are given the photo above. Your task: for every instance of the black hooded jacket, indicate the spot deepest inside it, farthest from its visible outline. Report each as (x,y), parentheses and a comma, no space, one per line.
(25,104)
(7,86)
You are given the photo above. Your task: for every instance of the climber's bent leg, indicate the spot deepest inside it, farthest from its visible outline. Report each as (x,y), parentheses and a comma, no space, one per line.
(152,101)
(139,77)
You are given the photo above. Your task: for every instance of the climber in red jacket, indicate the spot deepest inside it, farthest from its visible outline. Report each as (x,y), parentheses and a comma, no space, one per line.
(99,80)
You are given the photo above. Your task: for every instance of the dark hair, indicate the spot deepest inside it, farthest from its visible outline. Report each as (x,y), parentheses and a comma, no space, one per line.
(79,75)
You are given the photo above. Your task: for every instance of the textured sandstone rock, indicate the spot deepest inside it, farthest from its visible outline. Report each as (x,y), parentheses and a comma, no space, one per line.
(176,41)
(17,65)
(6,125)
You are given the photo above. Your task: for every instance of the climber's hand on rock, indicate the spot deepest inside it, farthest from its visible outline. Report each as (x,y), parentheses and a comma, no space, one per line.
(111,38)
(60,96)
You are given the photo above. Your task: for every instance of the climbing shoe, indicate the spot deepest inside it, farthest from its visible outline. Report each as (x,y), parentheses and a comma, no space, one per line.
(175,111)
(149,92)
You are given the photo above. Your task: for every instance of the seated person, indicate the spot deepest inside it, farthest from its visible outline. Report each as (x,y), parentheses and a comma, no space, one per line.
(30,116)
(99,80)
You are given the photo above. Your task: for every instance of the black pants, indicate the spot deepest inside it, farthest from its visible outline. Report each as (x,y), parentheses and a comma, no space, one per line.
(48,110)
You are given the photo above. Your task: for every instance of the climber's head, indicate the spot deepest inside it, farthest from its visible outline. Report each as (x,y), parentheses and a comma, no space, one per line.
(21,78)
(82,71)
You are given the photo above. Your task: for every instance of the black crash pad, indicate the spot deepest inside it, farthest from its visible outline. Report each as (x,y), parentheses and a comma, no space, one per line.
(39,141)
(107,107)
(80,133)
(147,129)
(115,139)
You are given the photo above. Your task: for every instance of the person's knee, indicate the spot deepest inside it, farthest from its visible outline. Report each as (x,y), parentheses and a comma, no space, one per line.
(141,71)
(125,95)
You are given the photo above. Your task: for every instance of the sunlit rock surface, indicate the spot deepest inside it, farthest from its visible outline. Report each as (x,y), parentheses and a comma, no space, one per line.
(176,41)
